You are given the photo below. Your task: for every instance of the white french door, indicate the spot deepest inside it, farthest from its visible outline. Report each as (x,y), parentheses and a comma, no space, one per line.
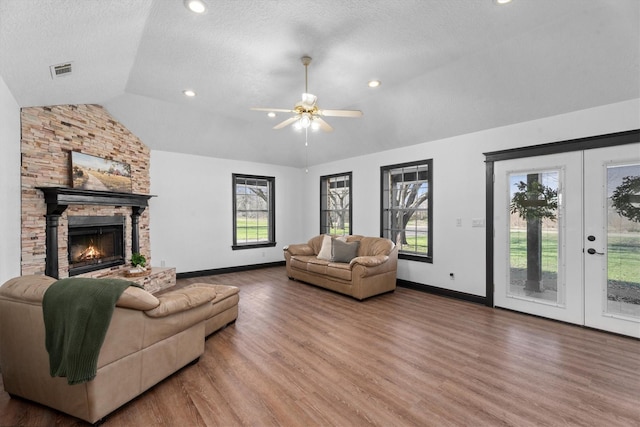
(567,238)
(538,261)
(612,239)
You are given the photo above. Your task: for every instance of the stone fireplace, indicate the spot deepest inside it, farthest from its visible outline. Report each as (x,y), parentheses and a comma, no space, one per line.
(59,222)
(52,208)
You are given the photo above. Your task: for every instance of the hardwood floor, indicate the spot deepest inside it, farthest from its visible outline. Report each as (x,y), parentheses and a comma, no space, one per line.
(303,356)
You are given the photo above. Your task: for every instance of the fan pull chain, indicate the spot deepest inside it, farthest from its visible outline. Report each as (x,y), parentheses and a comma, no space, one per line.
(306,150)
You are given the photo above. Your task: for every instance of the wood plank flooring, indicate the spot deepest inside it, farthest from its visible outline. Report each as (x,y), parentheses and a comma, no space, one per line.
(303,356)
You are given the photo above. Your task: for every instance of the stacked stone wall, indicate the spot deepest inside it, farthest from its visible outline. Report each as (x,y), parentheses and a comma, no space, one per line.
(49,135)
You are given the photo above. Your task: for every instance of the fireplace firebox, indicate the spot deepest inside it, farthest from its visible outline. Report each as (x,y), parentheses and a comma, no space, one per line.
(95,242)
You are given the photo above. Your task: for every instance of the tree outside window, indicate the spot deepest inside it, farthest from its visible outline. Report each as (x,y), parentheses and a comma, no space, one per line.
(253,211)
(407,208)
(335,204)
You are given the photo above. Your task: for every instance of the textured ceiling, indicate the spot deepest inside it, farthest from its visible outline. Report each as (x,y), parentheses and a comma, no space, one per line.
(447,67)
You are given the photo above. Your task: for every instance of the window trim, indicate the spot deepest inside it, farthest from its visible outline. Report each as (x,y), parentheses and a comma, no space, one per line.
(324,178)
(271,214)
(428,258)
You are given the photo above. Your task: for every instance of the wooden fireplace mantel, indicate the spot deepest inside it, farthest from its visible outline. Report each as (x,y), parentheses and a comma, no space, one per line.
(59,198)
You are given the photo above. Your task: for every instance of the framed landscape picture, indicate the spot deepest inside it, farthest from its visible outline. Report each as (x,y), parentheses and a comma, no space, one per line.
(95,173)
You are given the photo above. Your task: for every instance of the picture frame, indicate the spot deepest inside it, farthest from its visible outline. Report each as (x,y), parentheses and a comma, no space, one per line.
(96,173)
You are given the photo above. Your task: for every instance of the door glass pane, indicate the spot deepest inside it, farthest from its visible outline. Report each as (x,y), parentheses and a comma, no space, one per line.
(623,240)
(534,234)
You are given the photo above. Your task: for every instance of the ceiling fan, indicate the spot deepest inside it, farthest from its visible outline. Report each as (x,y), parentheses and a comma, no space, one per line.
(307,114)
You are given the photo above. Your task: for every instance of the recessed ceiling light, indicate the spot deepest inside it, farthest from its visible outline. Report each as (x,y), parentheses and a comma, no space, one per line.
(195,6)
(502,1)
(189,93)
(374,83)
(271,114)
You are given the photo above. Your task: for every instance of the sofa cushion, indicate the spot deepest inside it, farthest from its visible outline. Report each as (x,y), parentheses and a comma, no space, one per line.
(343,251)
(339,271)
(371,246)
(224,294)
(317,266)
(137,299)
(300,261)
(181,300)
(26,288)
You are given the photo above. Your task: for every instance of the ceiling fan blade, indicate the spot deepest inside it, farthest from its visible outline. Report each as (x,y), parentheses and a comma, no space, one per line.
(286,122)
(275,110)
(323,125)
(340,113)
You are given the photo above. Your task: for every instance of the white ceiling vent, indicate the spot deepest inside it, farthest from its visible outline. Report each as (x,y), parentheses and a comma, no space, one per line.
(61,70)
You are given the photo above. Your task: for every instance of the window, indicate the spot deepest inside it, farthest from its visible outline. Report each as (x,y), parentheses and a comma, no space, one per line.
(407,208)
(335,204)
(253,211)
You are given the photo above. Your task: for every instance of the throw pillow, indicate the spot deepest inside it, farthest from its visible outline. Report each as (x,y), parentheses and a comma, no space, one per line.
(343,251)
(325,250)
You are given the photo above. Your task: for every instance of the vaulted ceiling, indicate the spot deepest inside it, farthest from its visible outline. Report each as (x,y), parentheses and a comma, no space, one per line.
(447,67)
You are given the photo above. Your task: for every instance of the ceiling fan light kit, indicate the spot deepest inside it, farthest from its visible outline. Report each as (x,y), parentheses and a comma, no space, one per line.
(306,112)
(305,120)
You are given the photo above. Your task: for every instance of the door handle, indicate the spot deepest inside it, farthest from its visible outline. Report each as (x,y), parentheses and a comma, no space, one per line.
(593,252)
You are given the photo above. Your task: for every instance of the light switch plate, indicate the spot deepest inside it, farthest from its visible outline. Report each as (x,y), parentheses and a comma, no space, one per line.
(477,222)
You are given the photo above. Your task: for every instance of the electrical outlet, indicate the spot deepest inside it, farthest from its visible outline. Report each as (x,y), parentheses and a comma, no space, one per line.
(458,222)
(452,276)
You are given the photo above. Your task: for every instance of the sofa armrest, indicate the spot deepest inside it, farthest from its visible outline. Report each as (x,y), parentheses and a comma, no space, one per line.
(182,300)
(299,249)
(373,265)
(369,261)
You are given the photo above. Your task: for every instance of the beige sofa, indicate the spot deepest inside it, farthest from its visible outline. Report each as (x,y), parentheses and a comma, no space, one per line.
(148,339)
(371,272)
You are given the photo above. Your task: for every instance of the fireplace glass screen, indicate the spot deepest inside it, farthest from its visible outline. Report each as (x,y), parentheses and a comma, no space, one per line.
(95,242)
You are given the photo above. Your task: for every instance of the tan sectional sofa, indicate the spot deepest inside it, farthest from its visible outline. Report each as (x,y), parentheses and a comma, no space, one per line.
(371,272)
(148,339)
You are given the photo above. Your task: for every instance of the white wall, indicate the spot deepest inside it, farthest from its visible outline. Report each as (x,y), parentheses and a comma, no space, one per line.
(191,217)
(458,188)
(9,184)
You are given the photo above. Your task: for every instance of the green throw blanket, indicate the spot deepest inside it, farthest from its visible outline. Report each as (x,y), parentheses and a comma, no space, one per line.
(77,313)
